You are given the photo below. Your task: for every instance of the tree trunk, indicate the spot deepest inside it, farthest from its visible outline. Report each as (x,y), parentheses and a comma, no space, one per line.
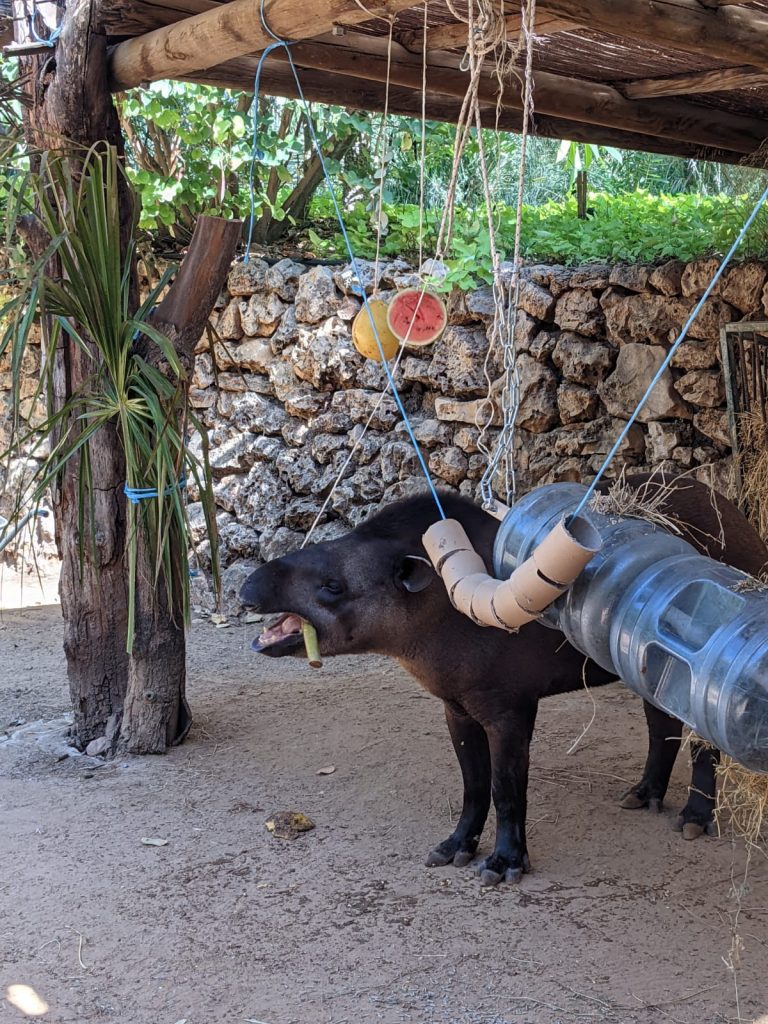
(156,714)
(71,105)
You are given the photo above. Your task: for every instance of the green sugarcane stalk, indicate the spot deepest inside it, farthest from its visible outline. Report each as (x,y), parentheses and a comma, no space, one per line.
(311,645)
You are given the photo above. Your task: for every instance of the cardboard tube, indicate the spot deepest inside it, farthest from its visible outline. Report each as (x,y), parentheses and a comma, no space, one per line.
(561,556)
(460,564)
(532,587)
(443,538)
(532,592)
(507,607)
(463,592)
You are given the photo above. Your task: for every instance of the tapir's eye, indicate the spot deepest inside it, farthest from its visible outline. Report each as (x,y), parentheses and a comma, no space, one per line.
(332,588)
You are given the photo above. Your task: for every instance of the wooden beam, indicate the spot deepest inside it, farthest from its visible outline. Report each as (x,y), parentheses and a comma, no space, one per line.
(321,87)
(735,35)
(699,82)
(232,30)
(453,37)
(570,98)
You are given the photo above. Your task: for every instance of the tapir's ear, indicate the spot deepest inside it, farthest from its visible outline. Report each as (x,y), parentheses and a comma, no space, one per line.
(415,574)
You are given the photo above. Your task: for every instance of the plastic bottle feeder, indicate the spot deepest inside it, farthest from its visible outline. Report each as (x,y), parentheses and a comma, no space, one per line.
(673,624)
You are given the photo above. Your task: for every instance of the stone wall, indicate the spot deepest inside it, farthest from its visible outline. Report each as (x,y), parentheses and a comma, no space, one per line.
(293,394)
(289,395)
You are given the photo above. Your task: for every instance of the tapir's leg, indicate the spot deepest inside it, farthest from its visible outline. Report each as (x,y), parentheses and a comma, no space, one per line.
(698,815)
(509,738)
(471,746)
(664,734)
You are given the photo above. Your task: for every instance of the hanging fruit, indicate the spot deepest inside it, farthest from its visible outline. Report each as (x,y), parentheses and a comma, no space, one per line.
(417,317)
(363,336)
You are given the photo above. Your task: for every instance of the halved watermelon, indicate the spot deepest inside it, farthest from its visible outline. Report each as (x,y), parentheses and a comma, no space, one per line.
(417,317)
(363,337)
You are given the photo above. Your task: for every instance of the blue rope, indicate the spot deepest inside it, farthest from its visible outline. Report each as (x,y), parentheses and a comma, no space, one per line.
(678,342)
(137,494)
(353,262)
(51,40)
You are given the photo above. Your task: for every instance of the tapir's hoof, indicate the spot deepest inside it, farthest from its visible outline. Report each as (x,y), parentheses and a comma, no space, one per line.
(493,870)
(694,829)
(634,801)
(446,853)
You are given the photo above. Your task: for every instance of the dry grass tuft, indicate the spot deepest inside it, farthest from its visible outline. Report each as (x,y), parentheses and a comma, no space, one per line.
(742,797)
(648,501)
(753,466)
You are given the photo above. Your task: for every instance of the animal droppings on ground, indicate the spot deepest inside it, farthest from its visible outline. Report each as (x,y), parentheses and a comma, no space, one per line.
(289,824)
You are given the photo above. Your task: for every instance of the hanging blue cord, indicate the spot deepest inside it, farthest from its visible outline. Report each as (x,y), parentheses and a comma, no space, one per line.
(137,494)
(353,262)
(678,342)
(256,151)
(51,40)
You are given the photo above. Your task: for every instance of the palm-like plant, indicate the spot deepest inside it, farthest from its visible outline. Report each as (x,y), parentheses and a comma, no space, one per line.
(135,380)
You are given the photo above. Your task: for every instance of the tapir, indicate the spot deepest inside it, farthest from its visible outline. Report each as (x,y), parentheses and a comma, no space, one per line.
(373,591)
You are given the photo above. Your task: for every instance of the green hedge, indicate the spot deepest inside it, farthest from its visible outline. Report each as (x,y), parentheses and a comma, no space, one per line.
(634,227)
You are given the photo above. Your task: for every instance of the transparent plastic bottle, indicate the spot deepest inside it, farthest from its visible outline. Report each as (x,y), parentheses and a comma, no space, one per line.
(674,625)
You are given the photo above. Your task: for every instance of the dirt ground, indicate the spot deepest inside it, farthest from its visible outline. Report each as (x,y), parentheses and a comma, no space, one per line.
(620,922)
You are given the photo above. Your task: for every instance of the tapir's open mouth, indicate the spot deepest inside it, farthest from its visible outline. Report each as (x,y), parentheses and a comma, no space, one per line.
(282,635)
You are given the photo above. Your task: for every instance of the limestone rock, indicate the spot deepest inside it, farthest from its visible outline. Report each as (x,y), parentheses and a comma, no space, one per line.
(667,278)
(283,279)
(536,300)
(324,446)
(326,357)
(713,423)
(526,329)
(305,403)
(332,421)
(476,467)
(543,345)
(232,580)
(287,333)
(262,314)
(742,286)
(241,382)
(347,281)
(537,410)
(630,276)
(481,304)
(282,542)
(203,376)
(316,296)
(257,414)
(581,359)
(431,433)
(97,747)
(663,438)
(296,432)
(579,310)
(234,456)
(702,387)
(367,446)
(415,370)
(252,354)
(635,368)
(237,541)
(645,318)
(247,278)
(229,325)
(591,275)
(576,403)
(696,278)
(301,512)
(714,314)
(398,460)
(451,411)
(282,378)
(466,438)
(457,365)
(298,469)
(555,279)
(697,355)
(358,405)
(450,464)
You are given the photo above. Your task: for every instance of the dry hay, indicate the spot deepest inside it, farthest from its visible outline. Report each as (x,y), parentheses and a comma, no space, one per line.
(742,798)
(753,467)
(646,501)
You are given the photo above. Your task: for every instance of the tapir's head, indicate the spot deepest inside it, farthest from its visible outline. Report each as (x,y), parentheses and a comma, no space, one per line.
(373,590)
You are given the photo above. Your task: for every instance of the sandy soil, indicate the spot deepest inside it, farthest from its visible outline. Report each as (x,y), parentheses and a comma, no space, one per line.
(621,922)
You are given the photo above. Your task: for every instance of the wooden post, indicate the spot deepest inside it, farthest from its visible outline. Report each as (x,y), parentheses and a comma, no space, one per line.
(155,713)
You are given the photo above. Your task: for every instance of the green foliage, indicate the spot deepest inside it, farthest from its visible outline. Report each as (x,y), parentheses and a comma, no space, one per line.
(634,227)
(144,398)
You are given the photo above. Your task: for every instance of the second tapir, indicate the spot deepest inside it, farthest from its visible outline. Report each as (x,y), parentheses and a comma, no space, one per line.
(373,591)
